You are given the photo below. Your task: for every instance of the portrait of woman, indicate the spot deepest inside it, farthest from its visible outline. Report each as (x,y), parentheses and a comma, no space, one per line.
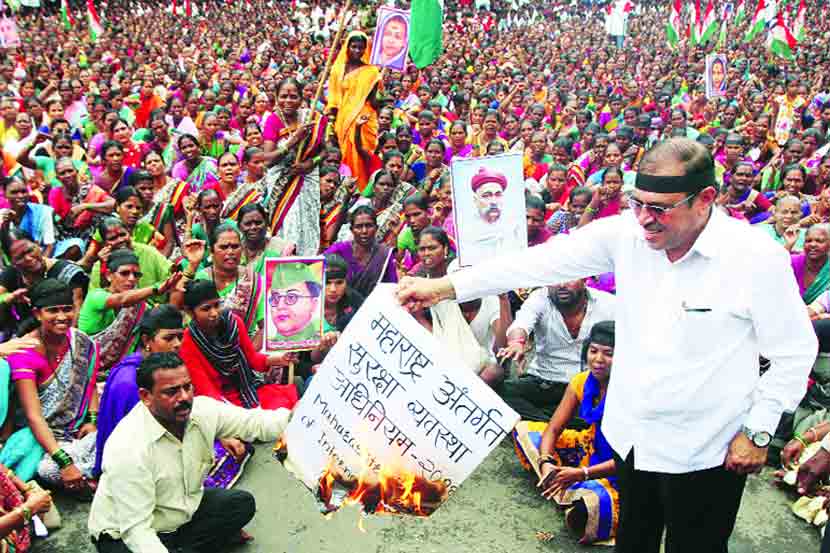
(391,40)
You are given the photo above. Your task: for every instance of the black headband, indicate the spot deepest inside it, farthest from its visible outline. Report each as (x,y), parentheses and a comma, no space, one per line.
(683,184)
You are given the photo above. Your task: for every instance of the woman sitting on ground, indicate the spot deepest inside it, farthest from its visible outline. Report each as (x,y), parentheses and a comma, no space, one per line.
(222,361)
(576,467)
(55,383)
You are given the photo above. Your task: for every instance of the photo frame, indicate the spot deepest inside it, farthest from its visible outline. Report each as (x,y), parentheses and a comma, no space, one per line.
(488,206)
(390,45)
(294,303)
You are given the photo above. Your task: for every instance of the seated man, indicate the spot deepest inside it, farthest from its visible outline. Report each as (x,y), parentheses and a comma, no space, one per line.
(150,497)
(560,318)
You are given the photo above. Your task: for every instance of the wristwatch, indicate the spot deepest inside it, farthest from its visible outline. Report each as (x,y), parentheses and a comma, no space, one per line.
(758,439)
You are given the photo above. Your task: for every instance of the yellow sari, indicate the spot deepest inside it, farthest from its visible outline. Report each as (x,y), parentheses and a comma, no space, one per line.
(348,93)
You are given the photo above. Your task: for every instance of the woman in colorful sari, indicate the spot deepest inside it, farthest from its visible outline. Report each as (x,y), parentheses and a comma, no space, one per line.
(571,213)
(489,132)
(414,161)
(262,109)
(212,142)
(223,362)
(434,168)
(55,383)
(253,165)
(161,141)
(352,95)
(812,268)
(416,216)
(160,330)
(77,207)
(334,200)
(291,186)
(167,202)
(129,208)
(161,221)
(576,468)
(112,174)
(536,161)
(110,314)
(233,196)
(458,147)
(239,286)
(607,198)
(369,261)
(387,195)
(555,191)
(257,244)
(196,170)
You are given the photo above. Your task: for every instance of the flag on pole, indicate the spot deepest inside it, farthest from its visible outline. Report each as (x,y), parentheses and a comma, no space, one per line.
(799,30)
(95,28)
(740,12)
(696,25)
(426,32)
(781,42)
(66,15)
(721,44)
(709,23)
(758,22)
(673,25)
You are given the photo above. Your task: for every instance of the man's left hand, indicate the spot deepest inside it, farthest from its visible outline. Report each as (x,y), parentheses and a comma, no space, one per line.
(743,457)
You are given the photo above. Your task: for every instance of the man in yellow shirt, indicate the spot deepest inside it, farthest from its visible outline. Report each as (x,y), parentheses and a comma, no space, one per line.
(150,497)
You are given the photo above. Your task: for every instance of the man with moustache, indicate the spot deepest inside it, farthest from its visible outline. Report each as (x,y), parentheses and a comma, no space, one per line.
(687,412)
(488,231)
(560,318)
(150,497)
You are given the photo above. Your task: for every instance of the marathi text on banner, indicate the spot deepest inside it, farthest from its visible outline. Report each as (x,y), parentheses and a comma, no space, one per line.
(391,417)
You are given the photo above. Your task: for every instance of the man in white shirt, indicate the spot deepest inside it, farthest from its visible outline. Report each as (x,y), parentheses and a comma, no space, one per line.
(150,498)
(560,318)
(687,413)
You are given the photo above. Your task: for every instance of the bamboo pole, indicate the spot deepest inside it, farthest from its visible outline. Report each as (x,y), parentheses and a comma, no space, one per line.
(290,373)
(341,25)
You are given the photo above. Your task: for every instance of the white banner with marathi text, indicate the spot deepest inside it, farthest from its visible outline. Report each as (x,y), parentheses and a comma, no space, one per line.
(390,413)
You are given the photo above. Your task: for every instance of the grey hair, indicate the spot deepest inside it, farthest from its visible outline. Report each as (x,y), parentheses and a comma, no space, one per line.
(824,227)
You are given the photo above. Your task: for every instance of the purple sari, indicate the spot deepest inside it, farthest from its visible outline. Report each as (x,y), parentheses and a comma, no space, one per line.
(121,395)
(380,268)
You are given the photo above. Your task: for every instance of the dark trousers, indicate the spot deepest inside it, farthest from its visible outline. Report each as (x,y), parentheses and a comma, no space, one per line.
(697,509)
(825,543)
(220,516)
(532,397)
(822,329)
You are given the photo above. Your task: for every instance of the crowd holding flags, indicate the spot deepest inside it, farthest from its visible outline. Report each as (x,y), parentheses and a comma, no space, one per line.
(784,23)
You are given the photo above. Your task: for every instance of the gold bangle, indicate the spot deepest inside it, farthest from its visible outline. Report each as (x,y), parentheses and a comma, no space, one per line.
(10,473)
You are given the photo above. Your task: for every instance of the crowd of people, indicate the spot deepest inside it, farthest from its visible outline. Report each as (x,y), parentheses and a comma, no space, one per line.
(149,173)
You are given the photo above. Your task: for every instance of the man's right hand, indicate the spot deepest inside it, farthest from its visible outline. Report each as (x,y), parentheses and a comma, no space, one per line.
(415,293)
(514,351)
(812,471)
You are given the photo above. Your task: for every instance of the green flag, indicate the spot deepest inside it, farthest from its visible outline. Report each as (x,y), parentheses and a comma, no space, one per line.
(425,33)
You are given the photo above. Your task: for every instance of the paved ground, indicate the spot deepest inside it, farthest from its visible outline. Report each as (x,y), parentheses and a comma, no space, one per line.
(495,511)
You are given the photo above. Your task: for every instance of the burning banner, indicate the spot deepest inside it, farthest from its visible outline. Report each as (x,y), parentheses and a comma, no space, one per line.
(392,421)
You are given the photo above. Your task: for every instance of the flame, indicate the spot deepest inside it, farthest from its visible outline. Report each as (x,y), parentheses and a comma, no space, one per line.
(384,492)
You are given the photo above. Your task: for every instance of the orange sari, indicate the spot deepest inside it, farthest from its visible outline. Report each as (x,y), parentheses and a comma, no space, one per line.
(349,93)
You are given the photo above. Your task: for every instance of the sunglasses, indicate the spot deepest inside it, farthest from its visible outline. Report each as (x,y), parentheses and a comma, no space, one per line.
(128,273)
(656,211)
(290,298)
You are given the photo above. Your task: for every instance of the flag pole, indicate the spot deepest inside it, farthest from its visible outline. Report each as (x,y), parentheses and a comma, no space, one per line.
(341,25)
